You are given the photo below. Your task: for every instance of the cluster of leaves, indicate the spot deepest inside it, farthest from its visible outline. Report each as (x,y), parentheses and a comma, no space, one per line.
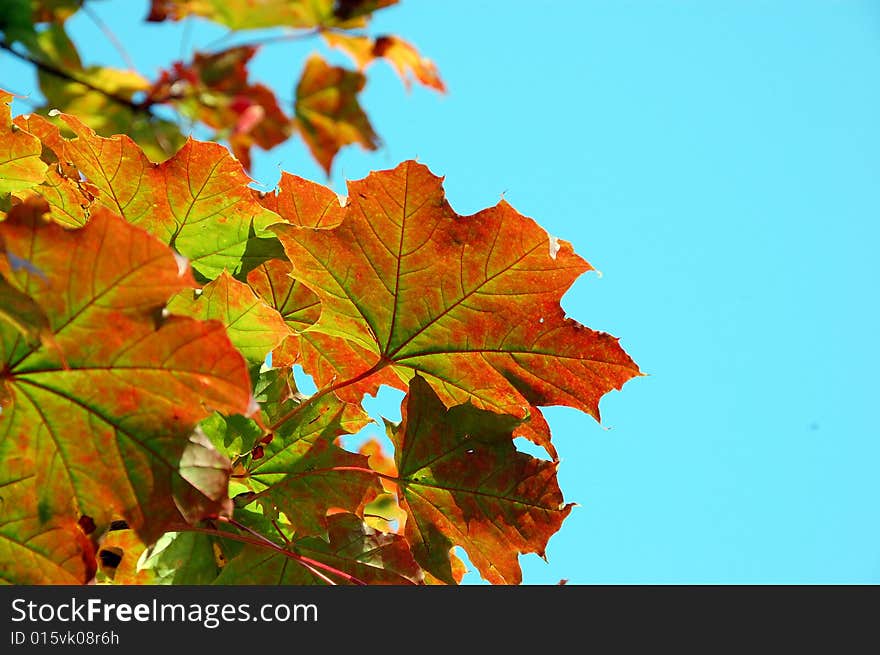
(139,304)
(153,305)
(214,89)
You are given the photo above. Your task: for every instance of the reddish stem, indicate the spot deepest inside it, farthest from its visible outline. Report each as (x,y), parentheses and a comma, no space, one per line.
(260,540)
(378,366)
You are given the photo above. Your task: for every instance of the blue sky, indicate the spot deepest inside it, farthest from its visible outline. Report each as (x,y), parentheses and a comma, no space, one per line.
(718,162)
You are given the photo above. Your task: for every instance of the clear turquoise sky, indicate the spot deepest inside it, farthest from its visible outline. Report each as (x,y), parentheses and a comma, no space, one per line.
(719,162)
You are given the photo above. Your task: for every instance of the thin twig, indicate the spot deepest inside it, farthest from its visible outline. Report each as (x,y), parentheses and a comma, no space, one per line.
(115,42)
(266,40)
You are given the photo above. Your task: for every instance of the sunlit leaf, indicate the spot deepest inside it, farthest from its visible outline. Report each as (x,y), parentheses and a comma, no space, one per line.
(36,547)
(22,312)
(403,56)
(20,163)
(462,483)
(102,420)
(384,513)
(328,113)
(198,201)
(214,89)
(305,203)
(297,304)
(254,327)
(472,303)
(69,200)
(186,558)
(352,553)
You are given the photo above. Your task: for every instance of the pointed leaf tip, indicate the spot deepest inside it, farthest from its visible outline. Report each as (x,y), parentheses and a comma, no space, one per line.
(471,303)
(463,483)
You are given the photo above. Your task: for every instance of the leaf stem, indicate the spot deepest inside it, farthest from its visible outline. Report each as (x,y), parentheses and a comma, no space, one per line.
(284,418)
(259,540)
(280,532)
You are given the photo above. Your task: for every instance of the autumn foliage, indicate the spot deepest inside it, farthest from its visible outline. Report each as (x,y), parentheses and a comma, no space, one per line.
(153,304)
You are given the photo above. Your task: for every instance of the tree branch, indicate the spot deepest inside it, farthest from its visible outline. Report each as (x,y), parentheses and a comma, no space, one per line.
(139,107)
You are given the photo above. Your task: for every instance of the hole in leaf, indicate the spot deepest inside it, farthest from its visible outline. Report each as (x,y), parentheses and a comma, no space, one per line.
(110,557)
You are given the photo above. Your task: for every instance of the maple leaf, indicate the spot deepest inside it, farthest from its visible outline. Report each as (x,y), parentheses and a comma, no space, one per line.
(463,483)
(101,422)
(327,110)
(358,47)
(403,56)
(69,198)
(472,303)
(253,327)
(353,552)
(408,62)
(198,201)
(20,163)
(296,467)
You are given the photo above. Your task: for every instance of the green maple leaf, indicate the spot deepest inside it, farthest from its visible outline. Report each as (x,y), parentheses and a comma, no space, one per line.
(98,420)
